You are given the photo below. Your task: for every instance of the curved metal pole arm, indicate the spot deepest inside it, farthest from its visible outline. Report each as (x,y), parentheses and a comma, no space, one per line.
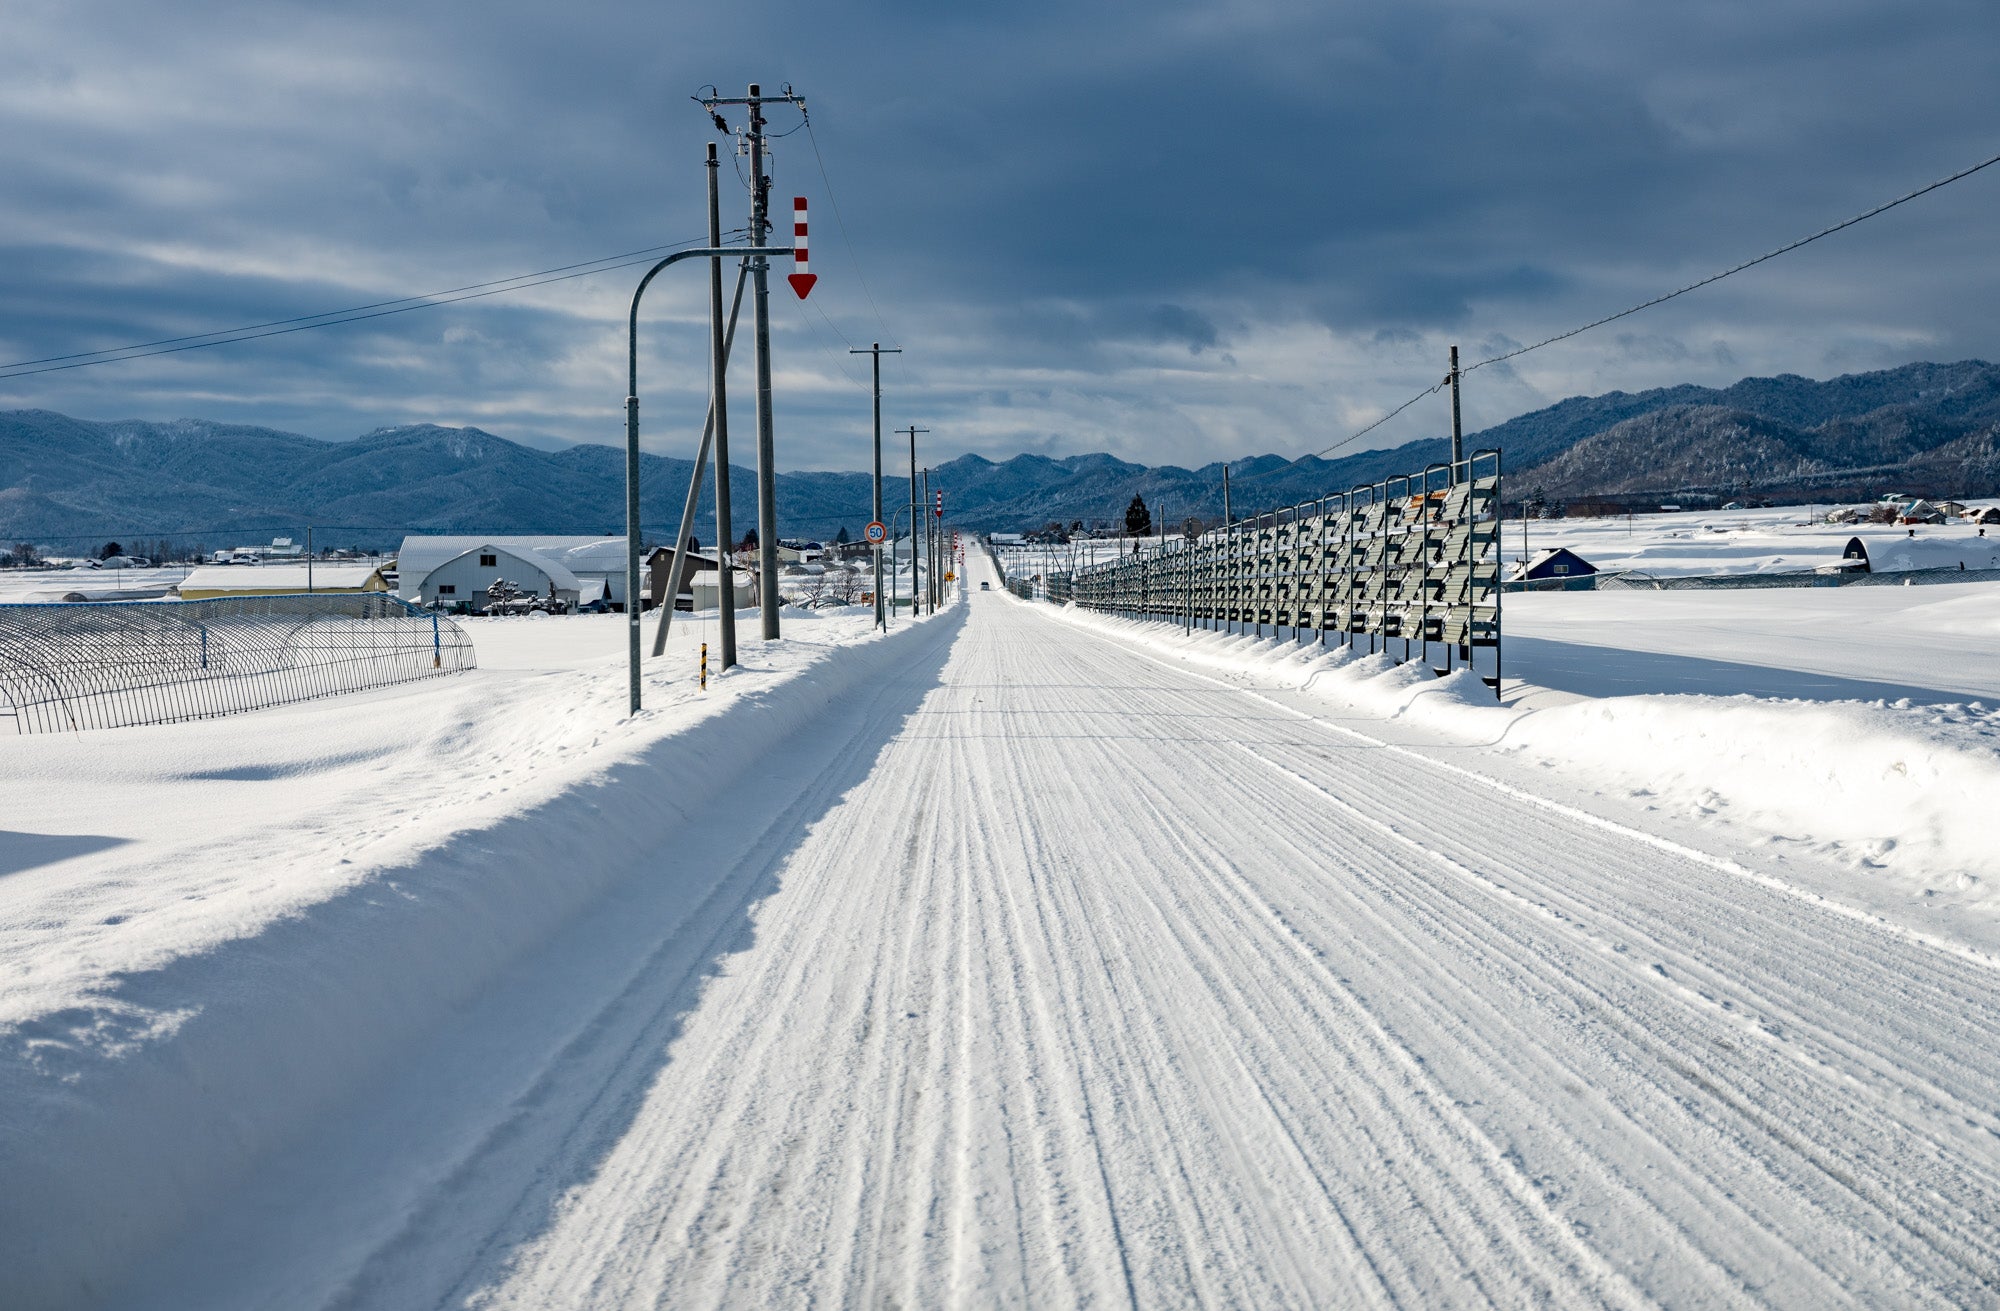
(705,252)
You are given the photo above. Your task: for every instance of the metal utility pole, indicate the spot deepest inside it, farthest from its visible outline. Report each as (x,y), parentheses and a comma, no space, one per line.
(877,351)
(930,547)
(715,430)
(720,340)
(760,300)
(916,513)
(1457,434)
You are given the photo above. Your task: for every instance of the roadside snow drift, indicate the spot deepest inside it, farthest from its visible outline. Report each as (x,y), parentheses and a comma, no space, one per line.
(149,1054)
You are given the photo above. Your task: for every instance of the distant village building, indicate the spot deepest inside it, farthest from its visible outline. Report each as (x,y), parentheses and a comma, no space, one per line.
(659,565)
(211,581)
(791,551)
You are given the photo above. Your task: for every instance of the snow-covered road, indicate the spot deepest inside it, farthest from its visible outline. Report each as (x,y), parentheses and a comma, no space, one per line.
(1052,973)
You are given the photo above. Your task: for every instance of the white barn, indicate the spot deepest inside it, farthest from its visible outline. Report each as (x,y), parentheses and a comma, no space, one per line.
(465,577)
(585,560)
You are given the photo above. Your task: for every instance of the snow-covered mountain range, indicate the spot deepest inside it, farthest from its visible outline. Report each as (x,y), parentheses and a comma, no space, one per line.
(1922,428)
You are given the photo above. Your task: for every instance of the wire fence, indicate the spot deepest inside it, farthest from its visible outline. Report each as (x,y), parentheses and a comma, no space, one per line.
(1410,566)
(72,666)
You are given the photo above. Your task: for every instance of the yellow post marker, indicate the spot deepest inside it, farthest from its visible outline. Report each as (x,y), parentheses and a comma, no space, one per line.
(704,666)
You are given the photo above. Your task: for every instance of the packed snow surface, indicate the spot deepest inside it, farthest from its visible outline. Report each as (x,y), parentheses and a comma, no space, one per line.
(1018,956)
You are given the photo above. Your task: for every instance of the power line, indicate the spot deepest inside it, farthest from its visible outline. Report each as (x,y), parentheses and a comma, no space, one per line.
(1748,263)
(1680,291)
(331,318)
(841,223)
(1357,436)
(819,339)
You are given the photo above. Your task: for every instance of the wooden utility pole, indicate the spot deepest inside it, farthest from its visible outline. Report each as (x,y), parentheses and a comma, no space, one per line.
(1457,432)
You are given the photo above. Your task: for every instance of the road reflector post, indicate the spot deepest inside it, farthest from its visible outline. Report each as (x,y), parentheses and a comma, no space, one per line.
(704,666)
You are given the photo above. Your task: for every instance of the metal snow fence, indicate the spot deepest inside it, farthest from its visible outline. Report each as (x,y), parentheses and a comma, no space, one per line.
(1412,561)
(78,665)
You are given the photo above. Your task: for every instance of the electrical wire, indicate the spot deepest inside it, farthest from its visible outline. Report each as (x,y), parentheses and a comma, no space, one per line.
(333,318)
(841,223)
(821,311)
(838,360)
(1357,436)
(1680,291)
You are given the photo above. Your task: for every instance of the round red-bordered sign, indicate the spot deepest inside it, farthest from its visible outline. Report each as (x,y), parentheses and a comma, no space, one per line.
(876,532)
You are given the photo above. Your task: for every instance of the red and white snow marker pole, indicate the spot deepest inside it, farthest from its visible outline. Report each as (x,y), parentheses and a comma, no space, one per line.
(802,281)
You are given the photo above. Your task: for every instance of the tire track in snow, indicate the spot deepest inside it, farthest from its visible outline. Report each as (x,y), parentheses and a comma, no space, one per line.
(1681,1061)
(1840,1147)
(1196,843)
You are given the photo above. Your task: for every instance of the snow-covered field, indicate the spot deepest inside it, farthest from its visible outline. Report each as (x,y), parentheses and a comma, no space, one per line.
(1030,956)
(1787,539)
(97,584)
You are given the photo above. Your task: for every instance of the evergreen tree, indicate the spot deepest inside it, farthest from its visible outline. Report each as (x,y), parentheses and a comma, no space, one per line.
(1138,519)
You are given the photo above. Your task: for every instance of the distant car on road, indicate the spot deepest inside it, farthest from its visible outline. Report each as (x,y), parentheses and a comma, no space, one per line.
(986,587)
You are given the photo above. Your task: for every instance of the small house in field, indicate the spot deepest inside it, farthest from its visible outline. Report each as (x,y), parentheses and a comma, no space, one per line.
(1920,512)
(211,581)
(1556,564)
(1989,515)
(1853,560)
(707,587)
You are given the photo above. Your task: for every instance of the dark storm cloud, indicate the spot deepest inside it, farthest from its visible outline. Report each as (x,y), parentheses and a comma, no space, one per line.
(1162,230)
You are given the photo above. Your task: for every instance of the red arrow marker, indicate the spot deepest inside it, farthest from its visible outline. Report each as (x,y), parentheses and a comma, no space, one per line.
(802,281)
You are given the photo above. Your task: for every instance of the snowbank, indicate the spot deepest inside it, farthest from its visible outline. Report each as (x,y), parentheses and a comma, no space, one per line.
(144,1071)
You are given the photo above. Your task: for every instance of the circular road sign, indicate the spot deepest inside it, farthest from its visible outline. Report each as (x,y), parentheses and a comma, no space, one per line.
(877,532)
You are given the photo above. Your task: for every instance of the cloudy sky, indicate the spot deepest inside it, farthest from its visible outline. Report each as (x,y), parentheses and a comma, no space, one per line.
(1176,232)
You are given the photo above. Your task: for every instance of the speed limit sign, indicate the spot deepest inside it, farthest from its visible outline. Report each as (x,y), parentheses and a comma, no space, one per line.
(877,532)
